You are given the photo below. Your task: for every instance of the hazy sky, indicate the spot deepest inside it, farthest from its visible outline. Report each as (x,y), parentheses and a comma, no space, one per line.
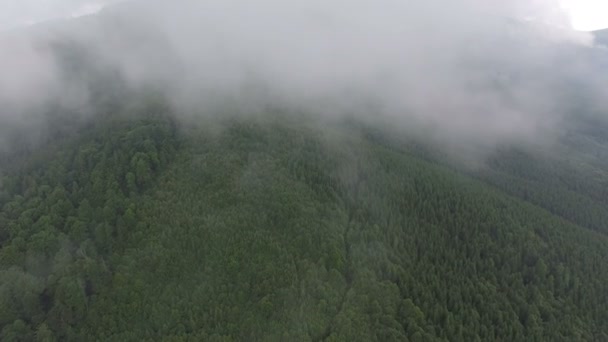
(587,15)
(486,72)
(584,14)
(16,13)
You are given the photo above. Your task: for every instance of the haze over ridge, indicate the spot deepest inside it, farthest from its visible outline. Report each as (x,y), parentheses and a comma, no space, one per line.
(466,71)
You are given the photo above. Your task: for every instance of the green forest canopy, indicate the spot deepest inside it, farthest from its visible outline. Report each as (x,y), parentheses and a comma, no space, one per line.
(277,228)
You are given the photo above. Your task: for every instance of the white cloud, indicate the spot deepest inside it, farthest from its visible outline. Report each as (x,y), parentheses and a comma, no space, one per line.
(469,71)
(587,15)
(18,13)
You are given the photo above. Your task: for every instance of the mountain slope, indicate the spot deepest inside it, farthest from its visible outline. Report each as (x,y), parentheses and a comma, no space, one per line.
(275,227)
(601,37)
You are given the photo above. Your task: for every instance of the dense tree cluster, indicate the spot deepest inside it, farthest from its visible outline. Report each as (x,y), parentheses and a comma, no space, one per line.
(273,228)
(64,216)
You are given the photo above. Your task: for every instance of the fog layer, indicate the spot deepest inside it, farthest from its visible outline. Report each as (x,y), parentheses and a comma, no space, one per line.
(462,71)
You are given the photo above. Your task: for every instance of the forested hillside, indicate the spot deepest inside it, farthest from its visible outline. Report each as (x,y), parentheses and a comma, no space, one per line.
(302,171)
(274,227)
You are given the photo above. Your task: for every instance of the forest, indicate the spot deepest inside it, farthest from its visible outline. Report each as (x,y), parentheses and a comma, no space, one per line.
(231,172)
(137,226)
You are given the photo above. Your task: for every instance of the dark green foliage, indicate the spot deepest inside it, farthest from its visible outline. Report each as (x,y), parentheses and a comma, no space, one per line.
(70,214)
(272,228)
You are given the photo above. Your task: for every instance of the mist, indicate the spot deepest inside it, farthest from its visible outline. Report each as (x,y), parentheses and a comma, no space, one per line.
(460,72)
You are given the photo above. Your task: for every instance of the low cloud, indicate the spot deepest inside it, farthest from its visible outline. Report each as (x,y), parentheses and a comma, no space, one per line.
(463,71)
